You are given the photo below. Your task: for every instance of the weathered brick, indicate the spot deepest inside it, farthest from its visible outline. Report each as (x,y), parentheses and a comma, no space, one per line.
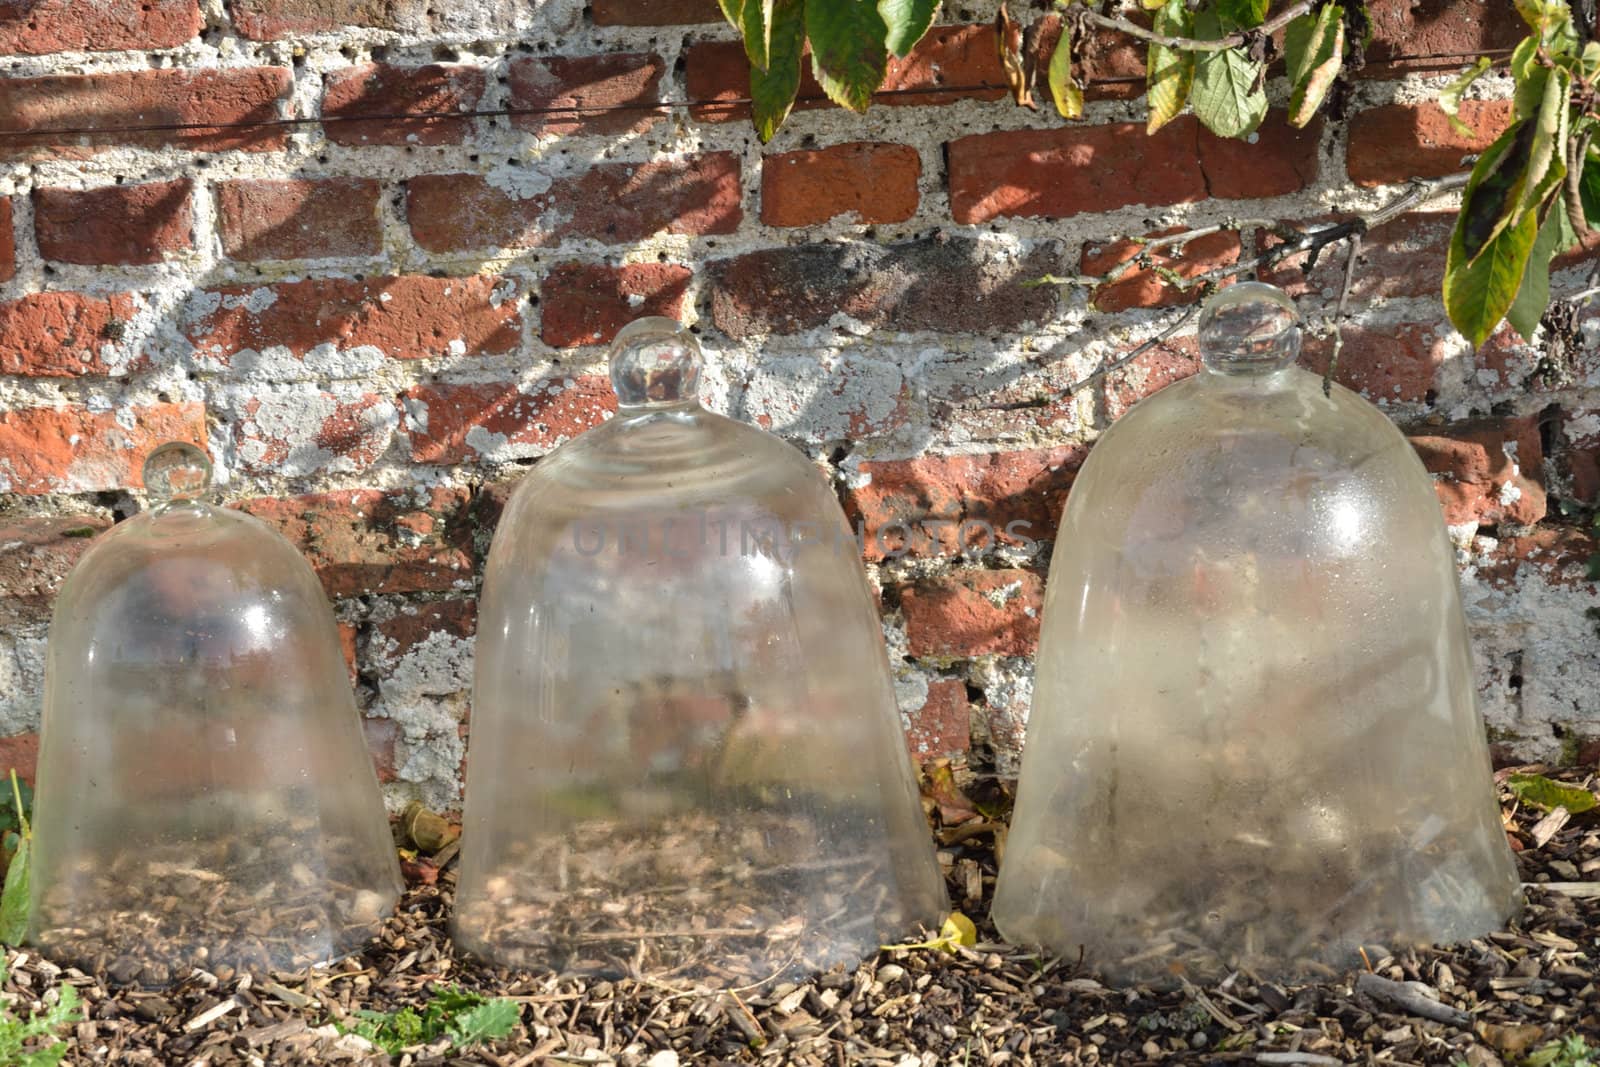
(973,613)
(943,725)
(1486,470)
(1408,34)
(385,89)
(591,86)
(1173,360)
(294,219)
(297,430)
(64,335)
(1578,454)
(1396,142)
(453,423)
(1058,173)
(1279,159)
(872,182)
(366,541)
(584,304)
(20,752)
(36,554)
(267,20)
(37,27)
(949,284)
(406,317)
(655,12)
(115,224)
(717,73)
(108,104)
(1389,363)
(615,203)
(943,505)
(1110,64)
(74,450)
(1403,257)
(1144,287)
(8,241)
(415,623)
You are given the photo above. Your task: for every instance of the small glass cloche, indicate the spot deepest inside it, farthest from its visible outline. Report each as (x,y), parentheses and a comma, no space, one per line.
(1254,740)
(205,796)
(686,762)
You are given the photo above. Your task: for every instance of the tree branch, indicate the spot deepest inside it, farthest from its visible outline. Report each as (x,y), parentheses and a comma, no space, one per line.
(1190,44)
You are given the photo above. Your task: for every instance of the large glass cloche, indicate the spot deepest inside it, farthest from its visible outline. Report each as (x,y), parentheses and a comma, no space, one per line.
(1254,740)
(686,762)
(205,796)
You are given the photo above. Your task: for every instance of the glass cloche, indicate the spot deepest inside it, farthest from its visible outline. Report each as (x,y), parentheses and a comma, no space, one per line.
(205,797)
(686,762)
(1254,740)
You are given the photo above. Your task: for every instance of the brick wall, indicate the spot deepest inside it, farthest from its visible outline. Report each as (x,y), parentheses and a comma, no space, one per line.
(376,325)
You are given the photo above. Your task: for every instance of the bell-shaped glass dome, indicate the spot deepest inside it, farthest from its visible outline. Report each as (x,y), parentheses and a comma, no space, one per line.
(1254,739)
(205,796)
(686,762)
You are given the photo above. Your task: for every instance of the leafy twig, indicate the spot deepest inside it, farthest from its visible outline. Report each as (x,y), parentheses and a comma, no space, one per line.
(1235,39)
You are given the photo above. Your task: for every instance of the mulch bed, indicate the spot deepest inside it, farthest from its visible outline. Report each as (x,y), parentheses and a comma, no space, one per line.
(1491,1000)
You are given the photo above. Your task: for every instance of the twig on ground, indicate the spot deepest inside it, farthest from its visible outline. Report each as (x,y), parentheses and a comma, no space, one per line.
(1402,995)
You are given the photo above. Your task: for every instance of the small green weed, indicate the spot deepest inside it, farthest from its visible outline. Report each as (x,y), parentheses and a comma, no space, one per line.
(1570,1051)
(18,845)
(466,1018)
(16,1035)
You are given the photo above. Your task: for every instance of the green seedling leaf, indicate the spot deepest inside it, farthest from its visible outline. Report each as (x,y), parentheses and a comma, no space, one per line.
(1450,96)
(1170,71)
(14,903)
(756,28)
(849,55)
(1228,94)
(16,1035)
(1544,793)
(908,21)
(465,1017)
(1556,235)
(772,91)
(489,1021)
(1314,56)
(1243,13)
(1066,92)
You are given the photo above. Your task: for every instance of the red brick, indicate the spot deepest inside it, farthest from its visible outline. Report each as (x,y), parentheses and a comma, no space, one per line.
(110,103)
(20,752)
(63,335)
(1578,456)
(655,12)
(40,26)
(440,417)
(349,639)
(1477,480)
(1276,161)
(407,317)
(365,541)
(73,450)
(589,85)
(1396,142)
(949,284)
(8,241)
(266,219)
(1110,64)
(1558,555)
(874,183)
(615,203)
(586,304)
(1390,363)
(1058,173)
(943,725)
(268,20)
(921,507)
(300,432)
(1403,257)
(959,56)
(1142,287)
(115,224)
(416,623)
(1406,34)
(973,613)
(36,554)
(382,89)
(1173,360)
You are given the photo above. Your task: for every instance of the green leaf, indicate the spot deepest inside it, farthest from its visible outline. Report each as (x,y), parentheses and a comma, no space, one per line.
(1494,189)
(908,21)
(1555,237)
(1589,191)
(1313,55)
(1547,148)
(1541,792)
(1067,93)
(772,91)
(733,11)
(848,53)
(1589,61)
(1170,70)
(489,1021)
(1243,13)
(1479,292)
(1529,77)
(14,897)
(757,30)
(1228,95)
(1450,96)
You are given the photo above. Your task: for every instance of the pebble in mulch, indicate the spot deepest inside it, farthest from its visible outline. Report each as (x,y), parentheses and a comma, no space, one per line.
(1485,1002)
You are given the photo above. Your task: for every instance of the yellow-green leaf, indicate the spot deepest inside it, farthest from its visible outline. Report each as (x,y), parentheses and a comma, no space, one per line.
(1313,52)
(960,930)
(1170,71)
(849,54)
(772,91)
(1549,135)
(1450,96)
(757,30)
(1243,13)
(733,11)
(1479,292)
(1064,90)
(1489,202)
(908,21)
(1228,95)
(1556,235)
(1544,793)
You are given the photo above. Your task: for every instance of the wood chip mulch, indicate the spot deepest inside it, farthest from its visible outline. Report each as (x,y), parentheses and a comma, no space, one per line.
(1489,1001)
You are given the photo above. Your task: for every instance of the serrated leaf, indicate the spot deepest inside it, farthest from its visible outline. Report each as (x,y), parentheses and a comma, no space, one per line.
(1314,61)
(1169,71)
(848,51)
(14,902)
(733,11)
(1479,292)
(1544,793)
(1528,77)
(1450,96)
(1589,61)
(908,21)
(1555,237)
(1228,95)
(1064,90)
(772,91)
(1243,13)
(756,26)
(489,1021)
(1489,202)
(1547,149)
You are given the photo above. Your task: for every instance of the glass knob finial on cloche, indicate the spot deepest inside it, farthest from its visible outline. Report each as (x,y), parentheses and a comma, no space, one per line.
(655,362)
(176,471)
(1249,328)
